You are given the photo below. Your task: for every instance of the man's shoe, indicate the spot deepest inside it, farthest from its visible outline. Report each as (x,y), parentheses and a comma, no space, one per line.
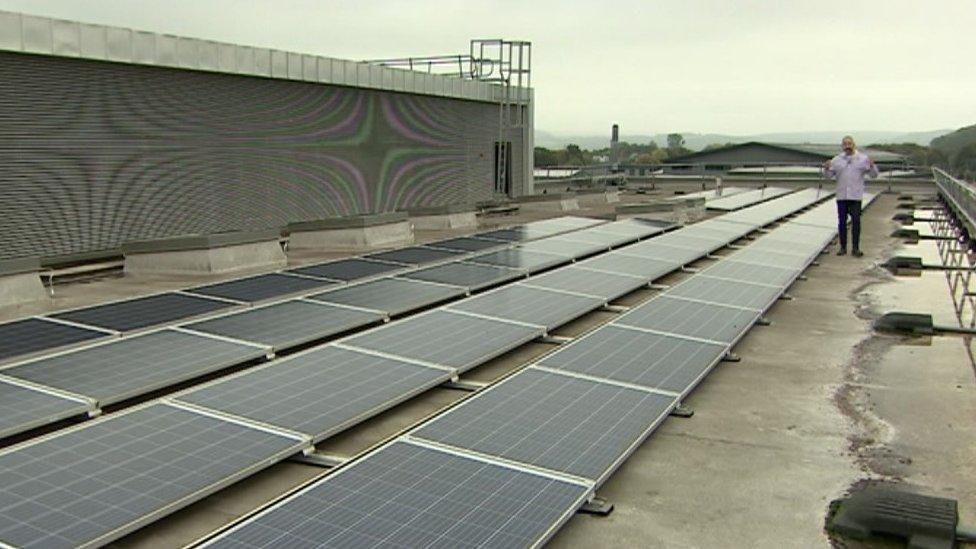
(857,253)
(842,251)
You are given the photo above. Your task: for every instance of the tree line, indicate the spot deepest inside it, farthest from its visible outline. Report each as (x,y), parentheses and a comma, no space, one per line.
(954,152)
(627,153)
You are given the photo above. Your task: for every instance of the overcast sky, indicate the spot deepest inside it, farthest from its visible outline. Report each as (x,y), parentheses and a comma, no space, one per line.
(724,66)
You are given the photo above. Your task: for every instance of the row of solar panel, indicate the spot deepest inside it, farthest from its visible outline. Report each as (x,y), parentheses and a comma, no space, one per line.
(103,470)
(80,380)
(507,467)
(80,326)
(356,384)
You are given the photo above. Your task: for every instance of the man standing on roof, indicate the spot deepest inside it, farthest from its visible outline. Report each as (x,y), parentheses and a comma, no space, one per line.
(849,168)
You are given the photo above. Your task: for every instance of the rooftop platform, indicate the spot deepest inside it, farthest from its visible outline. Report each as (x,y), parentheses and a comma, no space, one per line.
(818,404)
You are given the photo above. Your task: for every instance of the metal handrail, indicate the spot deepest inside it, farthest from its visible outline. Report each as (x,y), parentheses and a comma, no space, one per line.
(960,196)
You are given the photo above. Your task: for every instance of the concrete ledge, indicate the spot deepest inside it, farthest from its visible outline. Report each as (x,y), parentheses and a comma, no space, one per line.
(444,209)
(447,216)
(348,222)
(598,199)
(547,197)
(205,254)
(20,282)
(462,220)
(550,202)
(199,241)
(352,233)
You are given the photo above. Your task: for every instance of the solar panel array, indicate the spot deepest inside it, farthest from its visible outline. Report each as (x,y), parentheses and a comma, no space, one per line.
(566,422)
(115,474)
(105,369)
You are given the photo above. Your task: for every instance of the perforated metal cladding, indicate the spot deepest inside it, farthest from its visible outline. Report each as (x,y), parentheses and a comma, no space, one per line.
(93,154)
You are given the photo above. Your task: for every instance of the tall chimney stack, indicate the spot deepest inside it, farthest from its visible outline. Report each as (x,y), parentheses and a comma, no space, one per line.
(614,143)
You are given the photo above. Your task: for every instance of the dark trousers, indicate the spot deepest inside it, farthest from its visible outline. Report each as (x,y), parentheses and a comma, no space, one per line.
(852,209)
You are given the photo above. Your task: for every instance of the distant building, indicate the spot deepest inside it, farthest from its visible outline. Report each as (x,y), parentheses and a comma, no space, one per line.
(773,157)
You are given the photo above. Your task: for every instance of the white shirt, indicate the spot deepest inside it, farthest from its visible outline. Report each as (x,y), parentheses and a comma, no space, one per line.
(849,171)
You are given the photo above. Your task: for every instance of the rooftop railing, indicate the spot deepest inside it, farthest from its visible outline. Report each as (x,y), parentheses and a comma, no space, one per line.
(960,196)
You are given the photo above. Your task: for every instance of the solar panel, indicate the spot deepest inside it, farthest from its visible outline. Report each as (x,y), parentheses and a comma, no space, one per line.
(643,267)
(145,312)
(631,356)
(262,287)
(348,269)
(742,200)
(23,408)
(750,272)
(654,250)
(566,247)
(772,258)
(93,484)
(546,308)
(690,318)
(632,231)
(554,421)
(701,244)
(710,233)
(579,280)
(727,292)
(729,225)
(448,339)
(516,234)
(406,495)
(794,247)
(392,295)
(417,255)
(22,338)
(517,258)
(136,365)
(473,276)
(601,238)
(288,324)
(319,392)
(465,244)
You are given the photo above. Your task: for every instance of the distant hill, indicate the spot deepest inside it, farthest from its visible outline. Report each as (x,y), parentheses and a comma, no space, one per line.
(698,141)
(952,143)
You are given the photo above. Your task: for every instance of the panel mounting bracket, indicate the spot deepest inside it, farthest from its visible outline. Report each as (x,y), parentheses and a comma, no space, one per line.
(763,321)
(682,411)
(465,385)
(731,357)
(327,461)
(597,506)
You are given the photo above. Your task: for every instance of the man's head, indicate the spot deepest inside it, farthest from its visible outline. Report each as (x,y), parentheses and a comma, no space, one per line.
(847,144)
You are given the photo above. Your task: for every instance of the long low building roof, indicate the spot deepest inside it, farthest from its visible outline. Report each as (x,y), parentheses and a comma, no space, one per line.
(822,150)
